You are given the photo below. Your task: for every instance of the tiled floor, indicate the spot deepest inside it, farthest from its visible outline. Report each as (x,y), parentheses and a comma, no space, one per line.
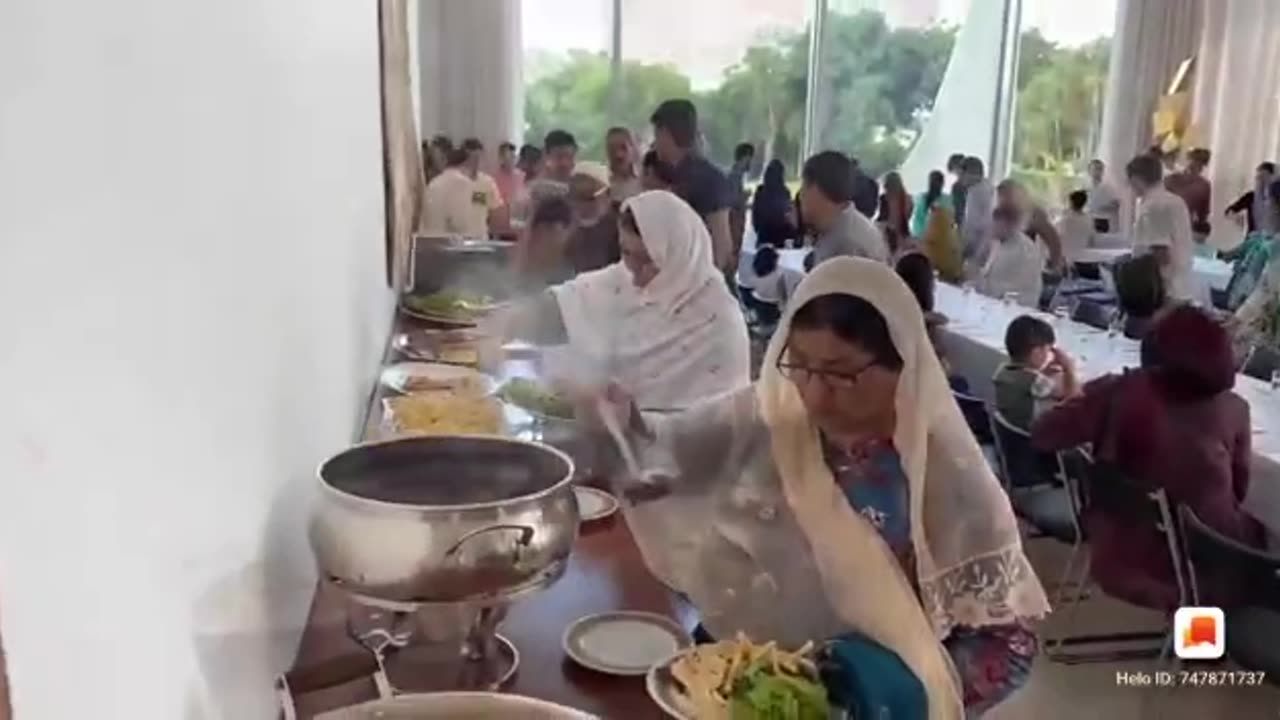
(1075,692)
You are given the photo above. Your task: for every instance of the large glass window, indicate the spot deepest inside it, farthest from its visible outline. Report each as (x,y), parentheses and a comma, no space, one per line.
(567,70)
(1062,77)
(899,84)
(744,62)
(881,66)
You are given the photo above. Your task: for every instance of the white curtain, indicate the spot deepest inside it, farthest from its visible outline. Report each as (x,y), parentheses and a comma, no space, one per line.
(469,70)
(1237,97)
(402,161)
(1152,38)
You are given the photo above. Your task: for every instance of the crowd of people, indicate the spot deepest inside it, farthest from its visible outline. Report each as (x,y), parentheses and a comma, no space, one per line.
(775,489)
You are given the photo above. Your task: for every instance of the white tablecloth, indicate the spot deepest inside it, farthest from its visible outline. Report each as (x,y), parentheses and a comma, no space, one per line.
(974,345)
(1209,272)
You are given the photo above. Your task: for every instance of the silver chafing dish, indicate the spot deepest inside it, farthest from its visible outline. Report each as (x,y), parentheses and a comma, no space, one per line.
(430,539)
(447,519)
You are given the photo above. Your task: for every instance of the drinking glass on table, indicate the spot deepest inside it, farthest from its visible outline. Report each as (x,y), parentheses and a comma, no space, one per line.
(1062,313)
(1010,299)
(1275,379)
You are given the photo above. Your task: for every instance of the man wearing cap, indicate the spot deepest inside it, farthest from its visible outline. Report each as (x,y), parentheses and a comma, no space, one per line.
(593,243)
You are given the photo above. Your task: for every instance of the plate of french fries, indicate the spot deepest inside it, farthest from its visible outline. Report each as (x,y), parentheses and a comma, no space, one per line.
(740,680)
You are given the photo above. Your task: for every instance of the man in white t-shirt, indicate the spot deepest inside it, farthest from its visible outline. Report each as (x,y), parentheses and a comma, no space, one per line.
(1162,225)
(456,203)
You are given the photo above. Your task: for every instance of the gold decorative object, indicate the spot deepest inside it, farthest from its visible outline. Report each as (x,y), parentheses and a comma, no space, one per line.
(1171,126)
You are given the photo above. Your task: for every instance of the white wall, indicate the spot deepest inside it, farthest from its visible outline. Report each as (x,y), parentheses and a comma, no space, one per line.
(191,311)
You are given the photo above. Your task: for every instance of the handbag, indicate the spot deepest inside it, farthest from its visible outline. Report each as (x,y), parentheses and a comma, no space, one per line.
(871,682)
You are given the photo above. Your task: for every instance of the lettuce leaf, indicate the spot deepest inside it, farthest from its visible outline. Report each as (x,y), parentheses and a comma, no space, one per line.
(760,694)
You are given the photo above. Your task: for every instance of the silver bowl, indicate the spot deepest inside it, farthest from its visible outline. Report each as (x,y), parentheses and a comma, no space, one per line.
(444,519)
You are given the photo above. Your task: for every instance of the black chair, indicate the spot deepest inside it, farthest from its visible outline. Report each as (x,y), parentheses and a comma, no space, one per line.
(975,415)
(1252,628)
(1087,271)
(1037,484)
(1103,489)
(1262,362)
(1219,298)
(1093,314)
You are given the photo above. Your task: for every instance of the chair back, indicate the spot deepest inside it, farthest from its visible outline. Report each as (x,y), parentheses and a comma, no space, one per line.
(1106,489)
(976,416)
(1023,466)
(1093,314)
(1087,270)
(1263,361)
(1210,554)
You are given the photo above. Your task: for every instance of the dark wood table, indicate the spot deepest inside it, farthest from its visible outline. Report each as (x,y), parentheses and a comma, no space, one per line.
(605,572)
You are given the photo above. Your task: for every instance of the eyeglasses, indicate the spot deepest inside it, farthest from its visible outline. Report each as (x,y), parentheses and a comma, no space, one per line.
(800,375)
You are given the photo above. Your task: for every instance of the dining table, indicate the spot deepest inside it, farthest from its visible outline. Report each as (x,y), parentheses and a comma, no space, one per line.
(605,572)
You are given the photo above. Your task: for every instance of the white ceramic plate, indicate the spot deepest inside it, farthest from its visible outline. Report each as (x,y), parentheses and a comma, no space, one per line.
(411,377)
(623,643)
(594,504)
(458,706)
(665,692)
(663,688)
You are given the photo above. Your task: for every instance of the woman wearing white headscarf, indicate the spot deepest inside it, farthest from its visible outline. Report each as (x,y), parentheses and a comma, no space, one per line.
(848,496)
(660,322)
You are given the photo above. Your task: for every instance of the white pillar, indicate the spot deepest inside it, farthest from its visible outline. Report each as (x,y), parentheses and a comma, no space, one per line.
(964,115)
(470,69)
(1005,109)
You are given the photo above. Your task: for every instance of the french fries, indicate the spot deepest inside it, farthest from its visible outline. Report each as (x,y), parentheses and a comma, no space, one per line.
(707,673)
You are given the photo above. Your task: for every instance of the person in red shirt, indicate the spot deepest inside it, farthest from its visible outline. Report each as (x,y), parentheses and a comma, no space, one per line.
(510,179)
(1174,424)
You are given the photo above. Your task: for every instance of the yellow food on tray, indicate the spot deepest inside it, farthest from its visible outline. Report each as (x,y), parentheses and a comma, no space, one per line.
(460,355)
(444,413)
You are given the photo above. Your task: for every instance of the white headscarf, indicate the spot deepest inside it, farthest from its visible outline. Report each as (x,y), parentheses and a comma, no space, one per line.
(677,340)
(969,562)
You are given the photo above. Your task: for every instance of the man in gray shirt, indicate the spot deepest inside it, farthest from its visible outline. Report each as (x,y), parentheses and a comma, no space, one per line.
(826,203)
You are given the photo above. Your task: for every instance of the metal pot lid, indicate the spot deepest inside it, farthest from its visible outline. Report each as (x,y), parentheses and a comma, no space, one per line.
(446,471)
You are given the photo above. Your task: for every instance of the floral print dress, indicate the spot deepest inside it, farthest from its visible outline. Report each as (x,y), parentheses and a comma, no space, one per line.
(992,661)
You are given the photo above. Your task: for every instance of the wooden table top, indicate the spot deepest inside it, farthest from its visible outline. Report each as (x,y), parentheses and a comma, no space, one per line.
(605,573)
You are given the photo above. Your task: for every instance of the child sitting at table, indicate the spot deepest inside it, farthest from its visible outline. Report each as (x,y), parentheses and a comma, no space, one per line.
(1037,375)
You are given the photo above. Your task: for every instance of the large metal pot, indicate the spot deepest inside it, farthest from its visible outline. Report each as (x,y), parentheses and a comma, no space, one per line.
(449,519)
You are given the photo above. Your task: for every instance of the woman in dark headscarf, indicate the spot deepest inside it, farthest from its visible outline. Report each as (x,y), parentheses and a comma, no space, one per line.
(1173,424)
(771,210)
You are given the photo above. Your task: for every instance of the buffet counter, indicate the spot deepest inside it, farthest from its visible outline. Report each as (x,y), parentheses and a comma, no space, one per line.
(605,573)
